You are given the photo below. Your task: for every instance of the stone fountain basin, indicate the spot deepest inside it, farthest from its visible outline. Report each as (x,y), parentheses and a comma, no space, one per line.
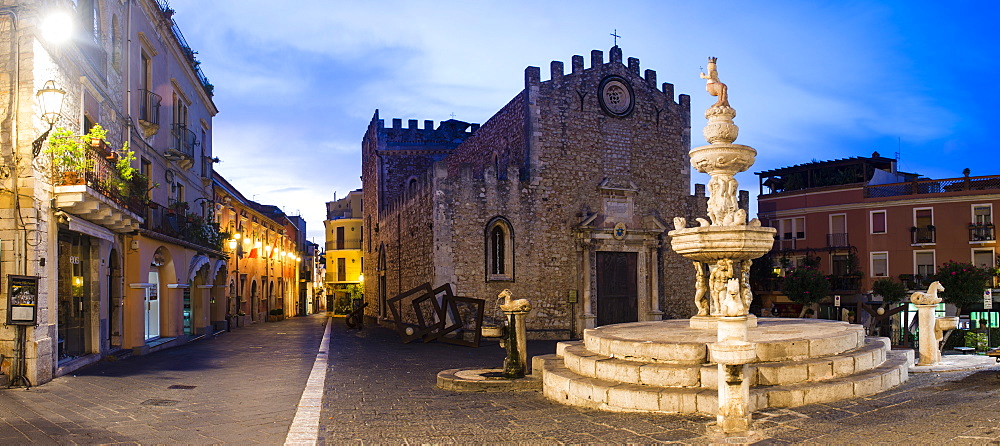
(712,243)
(722,158)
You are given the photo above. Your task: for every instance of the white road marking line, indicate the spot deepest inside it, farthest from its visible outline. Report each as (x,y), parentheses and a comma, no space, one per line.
(305,425)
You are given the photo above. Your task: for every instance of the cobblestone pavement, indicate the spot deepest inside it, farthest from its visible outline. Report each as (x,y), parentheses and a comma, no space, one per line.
(379,391)
(238,387)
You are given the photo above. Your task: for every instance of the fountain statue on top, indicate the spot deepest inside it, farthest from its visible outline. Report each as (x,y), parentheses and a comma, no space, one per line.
(722,250)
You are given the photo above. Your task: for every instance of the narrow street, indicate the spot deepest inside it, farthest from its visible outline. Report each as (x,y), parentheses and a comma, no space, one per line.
(243,387)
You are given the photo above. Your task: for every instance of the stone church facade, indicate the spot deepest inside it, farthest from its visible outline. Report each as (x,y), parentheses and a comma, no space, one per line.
(562,197)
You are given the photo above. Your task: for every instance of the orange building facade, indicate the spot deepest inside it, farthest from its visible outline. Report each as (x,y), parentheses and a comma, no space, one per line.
(864,221)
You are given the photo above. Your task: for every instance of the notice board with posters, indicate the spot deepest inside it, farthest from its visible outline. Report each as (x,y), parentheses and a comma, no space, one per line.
(22,300)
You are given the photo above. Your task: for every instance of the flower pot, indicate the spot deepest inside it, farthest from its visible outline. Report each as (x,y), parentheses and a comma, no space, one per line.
(71,178)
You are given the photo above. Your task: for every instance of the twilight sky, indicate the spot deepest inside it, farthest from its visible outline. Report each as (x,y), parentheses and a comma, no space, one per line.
(297,84)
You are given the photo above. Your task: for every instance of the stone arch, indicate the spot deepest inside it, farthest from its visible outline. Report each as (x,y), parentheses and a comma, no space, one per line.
(197,263)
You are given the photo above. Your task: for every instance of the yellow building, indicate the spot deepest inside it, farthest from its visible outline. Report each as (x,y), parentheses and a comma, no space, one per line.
(262,280)
(344,258)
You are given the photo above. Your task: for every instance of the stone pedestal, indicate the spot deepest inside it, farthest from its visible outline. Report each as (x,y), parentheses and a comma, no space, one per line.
(929,352)
(516,363)
(732,352)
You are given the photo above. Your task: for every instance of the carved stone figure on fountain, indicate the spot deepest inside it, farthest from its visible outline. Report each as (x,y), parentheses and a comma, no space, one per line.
(732,301)
(714,86)
(701,289)
(719,282)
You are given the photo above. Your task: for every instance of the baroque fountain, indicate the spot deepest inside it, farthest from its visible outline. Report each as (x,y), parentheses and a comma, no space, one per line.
(722,361)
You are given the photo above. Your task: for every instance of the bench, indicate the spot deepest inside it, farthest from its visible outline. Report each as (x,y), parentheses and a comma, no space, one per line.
(965,350)
(995,353)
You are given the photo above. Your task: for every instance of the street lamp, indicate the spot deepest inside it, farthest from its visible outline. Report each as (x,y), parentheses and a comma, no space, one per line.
(50,98)
(237,249)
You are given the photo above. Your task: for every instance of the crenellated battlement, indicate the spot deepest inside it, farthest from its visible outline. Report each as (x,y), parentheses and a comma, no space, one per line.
(557,71)
(451,126)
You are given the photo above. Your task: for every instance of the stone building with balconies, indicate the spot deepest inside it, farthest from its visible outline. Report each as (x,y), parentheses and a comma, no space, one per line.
(864,220)
(117,243)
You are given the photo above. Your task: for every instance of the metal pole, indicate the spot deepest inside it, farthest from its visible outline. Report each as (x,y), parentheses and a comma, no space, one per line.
(19,360)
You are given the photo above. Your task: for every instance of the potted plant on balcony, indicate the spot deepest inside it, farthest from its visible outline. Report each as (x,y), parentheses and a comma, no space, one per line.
(69,157)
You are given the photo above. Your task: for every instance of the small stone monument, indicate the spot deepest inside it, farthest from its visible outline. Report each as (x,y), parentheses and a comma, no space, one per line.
(931,329)
(515,338)
(512,376)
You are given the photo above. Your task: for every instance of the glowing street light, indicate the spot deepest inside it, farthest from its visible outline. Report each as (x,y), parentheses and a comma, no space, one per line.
(57,27)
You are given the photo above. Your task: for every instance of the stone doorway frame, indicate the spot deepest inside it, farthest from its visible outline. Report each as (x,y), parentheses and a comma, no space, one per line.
(646,242)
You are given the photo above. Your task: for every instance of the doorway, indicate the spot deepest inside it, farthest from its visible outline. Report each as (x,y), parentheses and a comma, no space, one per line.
(153,305)
(617,293)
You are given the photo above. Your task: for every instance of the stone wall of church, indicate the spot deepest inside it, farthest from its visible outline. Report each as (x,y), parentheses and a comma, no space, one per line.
(500,142)
(549,162)
(571,146)
(405,232)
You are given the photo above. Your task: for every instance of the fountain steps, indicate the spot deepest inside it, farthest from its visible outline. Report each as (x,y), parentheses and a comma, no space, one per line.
(583,362)
(664,366)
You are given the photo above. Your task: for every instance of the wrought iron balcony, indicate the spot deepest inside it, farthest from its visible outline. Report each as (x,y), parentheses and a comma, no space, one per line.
(93,189)
(837,240)
(343,244)
(922,234)
(786,244)
(933,186)
(915,281)
(175,221)
(844,283)
(184,142)
(149,107)
(981,232)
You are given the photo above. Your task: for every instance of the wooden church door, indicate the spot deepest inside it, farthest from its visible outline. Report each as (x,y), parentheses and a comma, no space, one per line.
(617,296)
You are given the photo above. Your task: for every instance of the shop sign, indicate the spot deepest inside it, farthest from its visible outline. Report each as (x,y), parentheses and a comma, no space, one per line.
(22,302)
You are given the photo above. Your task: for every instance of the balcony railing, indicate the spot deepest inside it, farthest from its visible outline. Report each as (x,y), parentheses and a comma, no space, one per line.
(149,107)
(175,221)
(184,142)
(785,244)
(97,170)
(981,232)
(915,281)
(922,234)
(933,186)
(343,244)
(837,240)
(844,283)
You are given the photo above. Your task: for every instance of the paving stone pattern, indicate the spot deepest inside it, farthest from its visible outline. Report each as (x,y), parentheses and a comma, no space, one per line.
(246,386)
(380,391)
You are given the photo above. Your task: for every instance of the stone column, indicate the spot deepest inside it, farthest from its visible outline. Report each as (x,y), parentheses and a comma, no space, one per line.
(588,311)
(654,278)
(732,352)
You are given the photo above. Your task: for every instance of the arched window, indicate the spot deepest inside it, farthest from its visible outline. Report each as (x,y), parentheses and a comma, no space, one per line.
(499,250)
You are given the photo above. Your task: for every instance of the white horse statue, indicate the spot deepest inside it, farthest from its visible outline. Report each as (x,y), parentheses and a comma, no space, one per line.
(928,298)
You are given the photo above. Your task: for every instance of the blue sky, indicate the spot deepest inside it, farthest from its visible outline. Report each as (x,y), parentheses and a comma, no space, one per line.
(296,85)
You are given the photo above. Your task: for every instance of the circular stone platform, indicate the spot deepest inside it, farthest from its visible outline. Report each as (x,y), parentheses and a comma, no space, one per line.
(484,380)
(665,366)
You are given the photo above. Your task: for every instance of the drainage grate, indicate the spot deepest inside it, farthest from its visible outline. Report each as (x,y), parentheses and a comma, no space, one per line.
(156,402)
(181,387)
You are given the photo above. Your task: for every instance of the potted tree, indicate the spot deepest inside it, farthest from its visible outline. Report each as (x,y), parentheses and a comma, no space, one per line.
(69,157)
